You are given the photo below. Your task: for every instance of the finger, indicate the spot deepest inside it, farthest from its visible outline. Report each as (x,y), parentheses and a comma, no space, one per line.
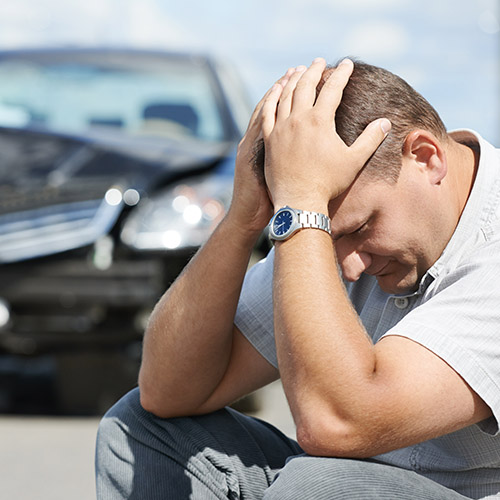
(281,81)
(370,139)
(284,79)
(269,108)
(285,105)
(331,94)
(305,92)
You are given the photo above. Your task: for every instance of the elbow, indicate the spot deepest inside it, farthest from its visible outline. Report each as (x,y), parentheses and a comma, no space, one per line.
(160,406)
(152,400)
(329,436)
(151,405)
(160,402)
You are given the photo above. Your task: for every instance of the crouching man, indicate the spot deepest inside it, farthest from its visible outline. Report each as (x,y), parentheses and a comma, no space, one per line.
(379,309)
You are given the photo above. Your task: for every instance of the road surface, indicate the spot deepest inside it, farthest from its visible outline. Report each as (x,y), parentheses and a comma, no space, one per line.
(52,458)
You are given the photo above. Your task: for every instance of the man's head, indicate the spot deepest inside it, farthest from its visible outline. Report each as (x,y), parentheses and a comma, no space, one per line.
(398,215)
(373,93)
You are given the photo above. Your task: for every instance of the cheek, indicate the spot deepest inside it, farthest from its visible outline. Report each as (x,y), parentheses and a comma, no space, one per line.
(389,239)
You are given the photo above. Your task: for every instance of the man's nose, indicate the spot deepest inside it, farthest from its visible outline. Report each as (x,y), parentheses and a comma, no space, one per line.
(353,263)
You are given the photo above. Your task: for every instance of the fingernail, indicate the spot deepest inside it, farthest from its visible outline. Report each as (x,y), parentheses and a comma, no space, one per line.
(385,125)
(300,68)
(318,60)
(345,61)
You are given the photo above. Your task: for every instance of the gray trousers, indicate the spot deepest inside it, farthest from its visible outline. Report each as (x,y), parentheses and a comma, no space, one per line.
(227,455)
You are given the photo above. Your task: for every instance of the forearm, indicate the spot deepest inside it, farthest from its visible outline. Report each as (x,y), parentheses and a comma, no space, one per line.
(188,340)
(327,361)
(348,396)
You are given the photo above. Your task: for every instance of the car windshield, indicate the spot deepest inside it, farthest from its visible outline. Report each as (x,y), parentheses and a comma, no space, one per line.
(151,96)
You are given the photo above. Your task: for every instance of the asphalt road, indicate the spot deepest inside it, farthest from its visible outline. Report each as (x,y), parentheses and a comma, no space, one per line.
(52,458)
(47,458)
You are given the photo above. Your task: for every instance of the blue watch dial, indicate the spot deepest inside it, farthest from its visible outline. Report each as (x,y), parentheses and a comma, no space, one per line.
(282,222)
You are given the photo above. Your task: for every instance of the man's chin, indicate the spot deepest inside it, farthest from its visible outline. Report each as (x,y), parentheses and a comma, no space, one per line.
(395,285)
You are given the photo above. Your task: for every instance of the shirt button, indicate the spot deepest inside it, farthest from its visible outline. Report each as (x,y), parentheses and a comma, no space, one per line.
(401,302)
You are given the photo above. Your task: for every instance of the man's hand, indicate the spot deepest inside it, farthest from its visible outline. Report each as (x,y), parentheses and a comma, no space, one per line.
(307,163)
(251,203)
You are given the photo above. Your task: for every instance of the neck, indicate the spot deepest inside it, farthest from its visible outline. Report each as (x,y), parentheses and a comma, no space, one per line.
(463,161)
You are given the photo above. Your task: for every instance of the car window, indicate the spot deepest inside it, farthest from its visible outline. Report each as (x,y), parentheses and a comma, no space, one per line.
(145,97)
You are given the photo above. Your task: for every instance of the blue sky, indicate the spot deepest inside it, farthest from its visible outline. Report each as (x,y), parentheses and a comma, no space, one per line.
(447,49)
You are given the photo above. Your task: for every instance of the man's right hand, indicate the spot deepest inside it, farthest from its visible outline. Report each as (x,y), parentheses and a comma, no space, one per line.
(251,208)
(194,359)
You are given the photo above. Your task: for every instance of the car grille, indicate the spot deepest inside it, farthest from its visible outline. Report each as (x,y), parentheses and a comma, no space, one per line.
(56,303)
(54,229)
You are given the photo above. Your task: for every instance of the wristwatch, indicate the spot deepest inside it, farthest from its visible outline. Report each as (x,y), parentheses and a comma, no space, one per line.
(287,221)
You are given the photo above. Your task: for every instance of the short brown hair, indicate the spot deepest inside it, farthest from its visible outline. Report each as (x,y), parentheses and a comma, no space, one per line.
(372,93)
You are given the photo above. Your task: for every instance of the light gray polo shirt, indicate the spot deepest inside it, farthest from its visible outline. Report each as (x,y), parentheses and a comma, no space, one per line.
(455,313)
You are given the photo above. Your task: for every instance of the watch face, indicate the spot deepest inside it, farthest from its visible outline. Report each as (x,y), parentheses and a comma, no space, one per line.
(282,222)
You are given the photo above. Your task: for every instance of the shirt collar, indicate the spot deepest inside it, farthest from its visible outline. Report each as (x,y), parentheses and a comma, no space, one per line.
(481,204)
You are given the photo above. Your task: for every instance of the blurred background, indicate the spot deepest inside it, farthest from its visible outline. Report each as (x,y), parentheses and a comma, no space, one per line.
(447,50)
(116,154)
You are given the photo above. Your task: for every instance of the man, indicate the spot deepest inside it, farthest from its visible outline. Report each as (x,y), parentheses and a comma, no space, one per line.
(380,312)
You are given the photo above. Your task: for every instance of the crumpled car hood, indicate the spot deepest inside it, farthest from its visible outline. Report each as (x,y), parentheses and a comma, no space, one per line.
(53,187)
(40,169)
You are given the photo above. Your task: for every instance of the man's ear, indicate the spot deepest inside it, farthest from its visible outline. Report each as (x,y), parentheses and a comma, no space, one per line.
(427,153)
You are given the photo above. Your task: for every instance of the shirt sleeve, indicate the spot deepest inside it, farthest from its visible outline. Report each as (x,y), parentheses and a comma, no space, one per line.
(254,315)
(460,323)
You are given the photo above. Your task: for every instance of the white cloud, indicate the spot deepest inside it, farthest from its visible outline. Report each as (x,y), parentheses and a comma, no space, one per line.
(150,26)
(360,6)
(22,23)
(92,22)
(415,75)
(488,5)
(364,5)
(488,22)
(374,39)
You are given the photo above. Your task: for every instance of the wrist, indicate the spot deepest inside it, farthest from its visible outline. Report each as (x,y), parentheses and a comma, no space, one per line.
(302,204)
(288,221)
(243,229)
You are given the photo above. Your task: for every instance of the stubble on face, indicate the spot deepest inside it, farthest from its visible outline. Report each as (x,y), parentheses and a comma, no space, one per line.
(397,238)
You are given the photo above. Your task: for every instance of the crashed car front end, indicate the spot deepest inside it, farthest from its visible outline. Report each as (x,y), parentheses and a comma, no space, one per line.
(84,260)
(95,224)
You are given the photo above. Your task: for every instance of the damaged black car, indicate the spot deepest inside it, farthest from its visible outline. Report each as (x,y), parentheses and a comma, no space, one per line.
(115,166)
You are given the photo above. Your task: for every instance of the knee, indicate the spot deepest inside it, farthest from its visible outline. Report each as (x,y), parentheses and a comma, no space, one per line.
(350,479)
(114,456)
(321,478)
(295,480)
(114,427)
